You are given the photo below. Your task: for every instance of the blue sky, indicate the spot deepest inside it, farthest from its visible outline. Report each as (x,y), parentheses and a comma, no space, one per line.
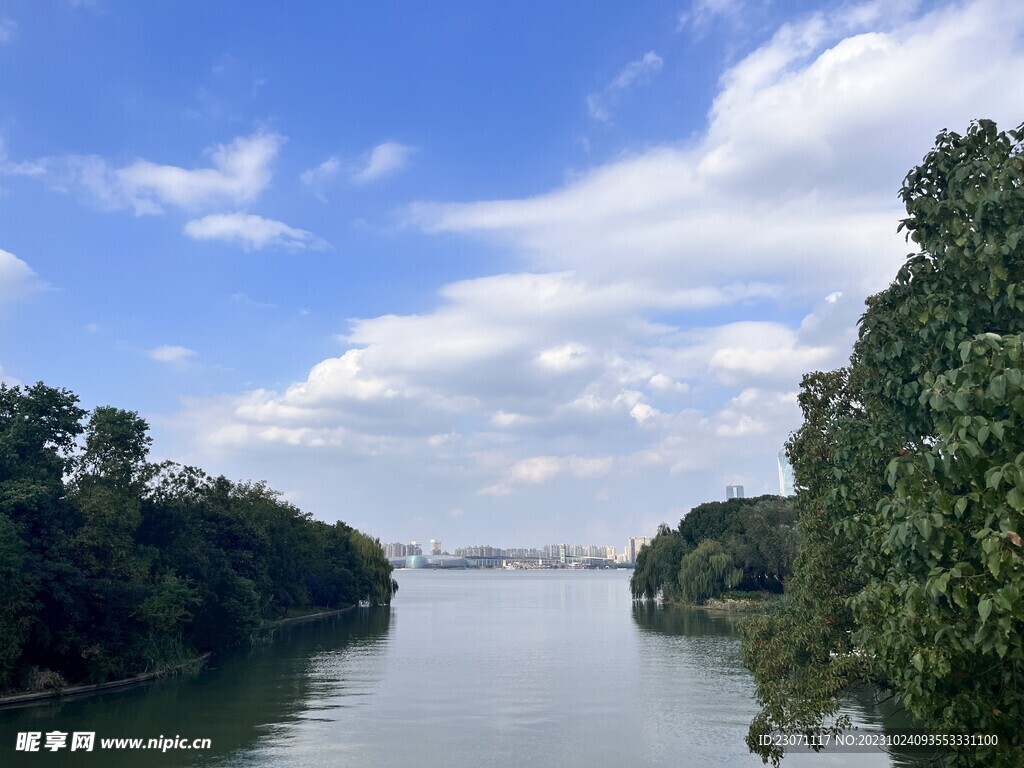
(495,274)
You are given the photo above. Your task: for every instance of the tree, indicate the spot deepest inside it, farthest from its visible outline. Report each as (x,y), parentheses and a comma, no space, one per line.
(707,572)
(911,468)
(657,566)
(111,475)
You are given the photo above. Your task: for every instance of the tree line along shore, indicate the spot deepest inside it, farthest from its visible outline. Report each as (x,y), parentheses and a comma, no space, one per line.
(114,566)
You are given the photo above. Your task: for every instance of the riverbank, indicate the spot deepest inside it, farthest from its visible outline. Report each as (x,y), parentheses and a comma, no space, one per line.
(757,603)
(324,614)
(38,697)
(194,664)
(734,605)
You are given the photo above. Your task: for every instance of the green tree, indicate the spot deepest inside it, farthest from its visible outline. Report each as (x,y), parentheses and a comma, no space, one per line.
(657,566)
(112,472)
(913,476)
(707,572)
(15,608)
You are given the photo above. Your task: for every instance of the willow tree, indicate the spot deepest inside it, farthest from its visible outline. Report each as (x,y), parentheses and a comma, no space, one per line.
(707,572)
(910,466)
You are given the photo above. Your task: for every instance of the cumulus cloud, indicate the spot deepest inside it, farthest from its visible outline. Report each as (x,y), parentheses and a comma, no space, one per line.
(794,179)
(385,159)
(600,105)
(668,301)
(251,231)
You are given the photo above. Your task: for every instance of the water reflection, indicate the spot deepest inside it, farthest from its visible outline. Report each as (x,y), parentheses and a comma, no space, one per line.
(678,620)
(707,643)
(241,702)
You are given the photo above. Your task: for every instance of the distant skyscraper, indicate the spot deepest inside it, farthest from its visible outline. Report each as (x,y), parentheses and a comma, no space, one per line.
(435,546)
(786,483)
(633,546)
(734,492)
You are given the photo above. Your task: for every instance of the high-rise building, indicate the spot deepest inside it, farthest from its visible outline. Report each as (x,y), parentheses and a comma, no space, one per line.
(734,492)
(633,546)
(435,546)
(786,481)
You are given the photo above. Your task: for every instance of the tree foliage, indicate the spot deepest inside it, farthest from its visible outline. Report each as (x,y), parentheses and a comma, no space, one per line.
(657,566)
(910,465)
(758,535)
(707,572)
(112,565)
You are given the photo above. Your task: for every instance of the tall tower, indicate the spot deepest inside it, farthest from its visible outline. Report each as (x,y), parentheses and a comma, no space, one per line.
(733,492)
(786,481)
(435,546)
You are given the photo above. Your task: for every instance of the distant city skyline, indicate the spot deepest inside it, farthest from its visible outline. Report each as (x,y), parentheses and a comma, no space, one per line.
(634,544)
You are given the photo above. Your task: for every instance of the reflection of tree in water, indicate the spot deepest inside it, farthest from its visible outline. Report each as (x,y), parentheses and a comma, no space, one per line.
(876,710)
(678,620)
(242,700)
(870,709)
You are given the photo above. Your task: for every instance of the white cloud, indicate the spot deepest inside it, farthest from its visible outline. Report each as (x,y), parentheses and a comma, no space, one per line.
(251,231)
(238,173)
(385,159)
(600,105)
(704,12)
(659,382)
(537,470)
(651,342)
(319,176)
(794,180)
(755,412)
(175,356)
(17,280)
(503,419)
(564,358)
(25,168)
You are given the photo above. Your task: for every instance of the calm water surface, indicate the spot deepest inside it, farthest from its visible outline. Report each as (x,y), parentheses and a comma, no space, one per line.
(467,668)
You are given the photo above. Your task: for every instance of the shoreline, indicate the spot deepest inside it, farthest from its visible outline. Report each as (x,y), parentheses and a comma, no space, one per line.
(30,698)
(310,616)
(38,697)
(728,605)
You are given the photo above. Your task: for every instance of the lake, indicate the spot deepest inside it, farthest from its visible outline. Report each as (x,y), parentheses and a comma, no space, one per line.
(467,668)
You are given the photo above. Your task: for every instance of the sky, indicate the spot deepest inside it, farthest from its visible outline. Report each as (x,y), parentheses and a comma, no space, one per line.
(508,274)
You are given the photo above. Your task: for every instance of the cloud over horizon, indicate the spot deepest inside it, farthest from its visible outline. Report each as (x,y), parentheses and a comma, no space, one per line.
(411,296)
(589,365)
